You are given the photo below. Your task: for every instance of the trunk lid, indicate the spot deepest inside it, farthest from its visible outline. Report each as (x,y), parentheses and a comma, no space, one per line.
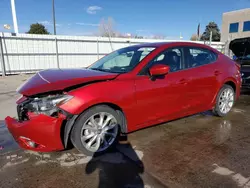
(240,47)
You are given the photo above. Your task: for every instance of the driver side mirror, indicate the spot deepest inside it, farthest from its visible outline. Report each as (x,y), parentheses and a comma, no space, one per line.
(159,70)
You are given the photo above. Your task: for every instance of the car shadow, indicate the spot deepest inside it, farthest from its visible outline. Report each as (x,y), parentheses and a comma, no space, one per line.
(118,168)
(206,113)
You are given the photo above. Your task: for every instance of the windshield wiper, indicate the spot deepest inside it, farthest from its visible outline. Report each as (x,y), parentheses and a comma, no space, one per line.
(98,69)
(106,70)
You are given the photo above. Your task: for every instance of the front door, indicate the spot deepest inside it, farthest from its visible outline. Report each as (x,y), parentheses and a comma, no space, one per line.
(162,98)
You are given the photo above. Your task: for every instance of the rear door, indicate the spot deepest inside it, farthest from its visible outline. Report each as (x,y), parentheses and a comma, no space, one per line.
(202,66)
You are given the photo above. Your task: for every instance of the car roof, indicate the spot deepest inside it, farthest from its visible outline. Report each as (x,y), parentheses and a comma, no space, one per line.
(152,44)
(166,44)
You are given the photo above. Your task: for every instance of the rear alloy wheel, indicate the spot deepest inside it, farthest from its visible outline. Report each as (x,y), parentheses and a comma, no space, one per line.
(96,130)
(224,101)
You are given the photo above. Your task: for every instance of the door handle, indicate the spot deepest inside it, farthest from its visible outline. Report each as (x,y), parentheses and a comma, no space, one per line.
(183,81)
(217,73)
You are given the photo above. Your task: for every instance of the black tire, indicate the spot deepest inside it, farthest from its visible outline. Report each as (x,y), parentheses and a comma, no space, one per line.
(216,109)
(76,130)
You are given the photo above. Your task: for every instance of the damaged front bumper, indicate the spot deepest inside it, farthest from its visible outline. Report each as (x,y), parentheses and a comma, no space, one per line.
(39,133)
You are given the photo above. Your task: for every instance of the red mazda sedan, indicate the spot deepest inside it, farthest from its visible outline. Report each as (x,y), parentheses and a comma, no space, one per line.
(129,89)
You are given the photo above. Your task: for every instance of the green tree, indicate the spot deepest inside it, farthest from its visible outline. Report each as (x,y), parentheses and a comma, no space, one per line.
(38,28)
(212,26)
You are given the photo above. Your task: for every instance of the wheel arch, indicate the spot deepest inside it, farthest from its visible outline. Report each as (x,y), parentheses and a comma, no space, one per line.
(66,129)
(230,82)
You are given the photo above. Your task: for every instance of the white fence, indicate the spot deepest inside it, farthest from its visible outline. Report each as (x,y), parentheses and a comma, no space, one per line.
(25,53)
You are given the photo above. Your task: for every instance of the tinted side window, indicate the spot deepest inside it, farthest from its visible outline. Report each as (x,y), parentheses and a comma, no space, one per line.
(171,57)
(199,56)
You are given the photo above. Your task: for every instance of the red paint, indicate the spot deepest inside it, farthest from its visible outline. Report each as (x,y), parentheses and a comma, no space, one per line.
(159,69)
(144,101)
(41,129)
(59,79)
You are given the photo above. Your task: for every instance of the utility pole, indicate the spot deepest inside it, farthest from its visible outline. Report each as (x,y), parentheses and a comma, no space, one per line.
(210,38)
(181,36)
(54,16)
(13,8)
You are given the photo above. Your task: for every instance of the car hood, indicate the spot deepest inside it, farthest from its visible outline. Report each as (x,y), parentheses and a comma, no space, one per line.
(240,47)
(60,79)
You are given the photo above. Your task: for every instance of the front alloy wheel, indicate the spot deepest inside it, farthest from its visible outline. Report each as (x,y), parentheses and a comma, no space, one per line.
(96,130)
(99,132)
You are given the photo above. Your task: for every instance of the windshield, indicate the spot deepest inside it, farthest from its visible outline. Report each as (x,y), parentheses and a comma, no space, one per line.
(122,60)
